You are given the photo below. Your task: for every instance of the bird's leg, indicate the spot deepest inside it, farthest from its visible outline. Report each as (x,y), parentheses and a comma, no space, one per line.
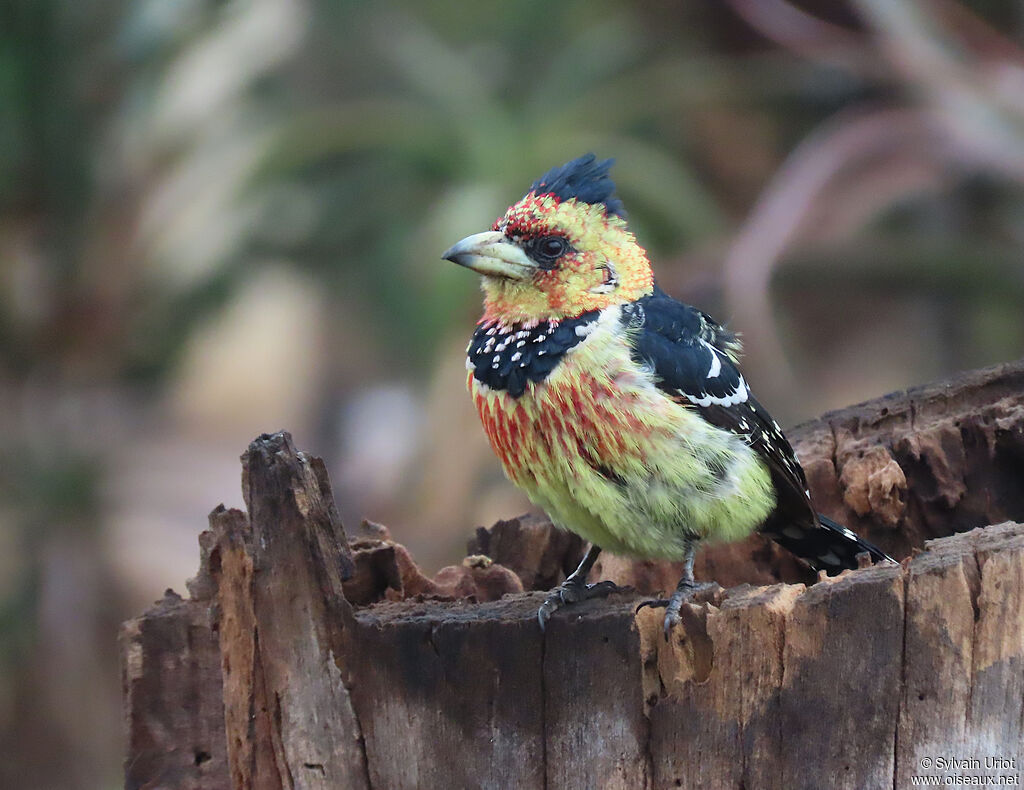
(575,588)
(685,590)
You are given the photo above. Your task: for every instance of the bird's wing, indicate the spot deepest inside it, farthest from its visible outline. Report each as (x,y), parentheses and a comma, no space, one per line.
(679,343)
(717,335)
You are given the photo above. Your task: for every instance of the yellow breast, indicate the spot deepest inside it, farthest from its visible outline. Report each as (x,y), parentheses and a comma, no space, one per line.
(609,456)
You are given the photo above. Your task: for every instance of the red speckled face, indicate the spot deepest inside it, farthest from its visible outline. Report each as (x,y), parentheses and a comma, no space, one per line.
(582,260)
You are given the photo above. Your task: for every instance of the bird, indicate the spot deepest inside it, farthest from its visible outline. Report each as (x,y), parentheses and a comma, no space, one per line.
(620,411)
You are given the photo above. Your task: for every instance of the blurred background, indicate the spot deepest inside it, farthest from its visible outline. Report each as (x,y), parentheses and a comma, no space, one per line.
(224,217)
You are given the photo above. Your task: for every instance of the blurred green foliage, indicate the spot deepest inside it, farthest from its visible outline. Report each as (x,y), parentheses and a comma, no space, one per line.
(431,118)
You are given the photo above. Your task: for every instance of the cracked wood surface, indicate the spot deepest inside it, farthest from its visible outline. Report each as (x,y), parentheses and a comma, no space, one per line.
(269,678)
(846,684)
(283,665)
(172,698)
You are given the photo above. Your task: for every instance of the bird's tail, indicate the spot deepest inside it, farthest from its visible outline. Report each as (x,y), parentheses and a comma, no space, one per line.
(825,546)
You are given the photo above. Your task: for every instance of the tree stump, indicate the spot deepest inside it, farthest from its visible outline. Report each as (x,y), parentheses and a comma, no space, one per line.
(304,660)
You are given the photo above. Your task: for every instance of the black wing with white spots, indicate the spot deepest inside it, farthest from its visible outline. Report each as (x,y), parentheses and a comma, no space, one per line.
(692,359)
(689,353)
(676,340)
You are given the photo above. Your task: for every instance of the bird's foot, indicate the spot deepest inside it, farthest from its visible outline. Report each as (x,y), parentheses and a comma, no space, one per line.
(572,591)
(684,593)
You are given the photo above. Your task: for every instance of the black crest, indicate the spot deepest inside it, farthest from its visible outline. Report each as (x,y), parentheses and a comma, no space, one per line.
(585,179)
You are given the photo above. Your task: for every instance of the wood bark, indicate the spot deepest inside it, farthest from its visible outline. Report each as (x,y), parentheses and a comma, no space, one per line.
(173,694)
(270,676)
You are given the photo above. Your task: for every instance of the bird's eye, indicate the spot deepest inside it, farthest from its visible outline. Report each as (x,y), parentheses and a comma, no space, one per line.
(546,250)
(552,246)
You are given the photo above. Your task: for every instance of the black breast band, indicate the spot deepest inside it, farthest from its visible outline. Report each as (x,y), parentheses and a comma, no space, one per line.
(507,357)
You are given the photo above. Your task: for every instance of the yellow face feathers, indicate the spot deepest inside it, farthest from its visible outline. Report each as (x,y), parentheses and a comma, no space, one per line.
(583,259)
(561,251)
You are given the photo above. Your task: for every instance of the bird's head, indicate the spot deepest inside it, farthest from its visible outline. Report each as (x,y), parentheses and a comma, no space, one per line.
(561,251)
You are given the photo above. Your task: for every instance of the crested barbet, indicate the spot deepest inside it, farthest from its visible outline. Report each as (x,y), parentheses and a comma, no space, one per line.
(618,410)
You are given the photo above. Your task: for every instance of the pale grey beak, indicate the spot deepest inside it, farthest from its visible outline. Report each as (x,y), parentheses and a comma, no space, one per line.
(492,254)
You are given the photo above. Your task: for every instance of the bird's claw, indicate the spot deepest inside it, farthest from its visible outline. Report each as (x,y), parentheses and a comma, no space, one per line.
(684,593)
(656,603)
(572,591)
(671,606)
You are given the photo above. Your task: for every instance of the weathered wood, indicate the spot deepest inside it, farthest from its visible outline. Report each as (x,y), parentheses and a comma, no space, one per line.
(713,701)
(939,639)
(450,695)
(923,463)
(777,687)
(528,545)
(595,730)
(850,682)
(246,713)
(290,721)
(842,666)
(172,692)
(996,710)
